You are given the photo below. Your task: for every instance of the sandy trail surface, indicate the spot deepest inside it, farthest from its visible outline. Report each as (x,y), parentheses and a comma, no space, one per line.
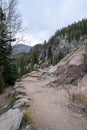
(49,106)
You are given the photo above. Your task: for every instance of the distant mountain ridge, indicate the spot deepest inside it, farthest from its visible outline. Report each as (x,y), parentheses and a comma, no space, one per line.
(20,48)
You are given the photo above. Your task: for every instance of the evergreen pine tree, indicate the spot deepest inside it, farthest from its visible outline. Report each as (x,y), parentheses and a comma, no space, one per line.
(8,69)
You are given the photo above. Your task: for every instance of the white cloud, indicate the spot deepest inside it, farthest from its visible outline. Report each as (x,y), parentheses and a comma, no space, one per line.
(32,39)
(47,12)
(43,35)
(42,19)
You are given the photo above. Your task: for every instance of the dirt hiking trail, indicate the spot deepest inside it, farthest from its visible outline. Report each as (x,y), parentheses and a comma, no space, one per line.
(49,106)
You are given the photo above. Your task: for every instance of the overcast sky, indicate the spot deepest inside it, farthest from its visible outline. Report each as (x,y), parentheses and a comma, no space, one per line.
(43,17)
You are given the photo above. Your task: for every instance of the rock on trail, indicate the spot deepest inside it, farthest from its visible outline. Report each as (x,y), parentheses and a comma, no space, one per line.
(11,119)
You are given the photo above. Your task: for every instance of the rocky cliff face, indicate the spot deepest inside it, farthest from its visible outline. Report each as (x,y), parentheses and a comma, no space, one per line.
(52,53)
(62,45)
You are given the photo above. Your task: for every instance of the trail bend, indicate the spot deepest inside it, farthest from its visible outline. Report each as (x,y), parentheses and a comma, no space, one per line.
(49,106)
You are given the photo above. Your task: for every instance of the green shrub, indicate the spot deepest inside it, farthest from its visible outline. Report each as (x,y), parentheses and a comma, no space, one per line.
(10,72)
(2,85)
(60,56)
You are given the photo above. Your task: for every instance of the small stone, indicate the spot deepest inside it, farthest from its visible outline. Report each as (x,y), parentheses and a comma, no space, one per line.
(19,96)
(69,80)
(28,127)
(21,103)
(20,91)
(17,85)
(18,80)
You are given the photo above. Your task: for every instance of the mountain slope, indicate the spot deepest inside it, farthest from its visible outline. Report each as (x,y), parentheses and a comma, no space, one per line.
(59,45)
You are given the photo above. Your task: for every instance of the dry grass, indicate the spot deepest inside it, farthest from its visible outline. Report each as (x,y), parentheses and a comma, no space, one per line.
(26,120)
(11,102)
(80,98)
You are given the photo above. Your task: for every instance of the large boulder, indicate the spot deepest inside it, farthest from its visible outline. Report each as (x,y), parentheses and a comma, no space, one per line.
(72,68)
(11,119)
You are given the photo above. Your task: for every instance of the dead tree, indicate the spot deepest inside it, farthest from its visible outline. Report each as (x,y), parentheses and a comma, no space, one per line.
(13,18)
